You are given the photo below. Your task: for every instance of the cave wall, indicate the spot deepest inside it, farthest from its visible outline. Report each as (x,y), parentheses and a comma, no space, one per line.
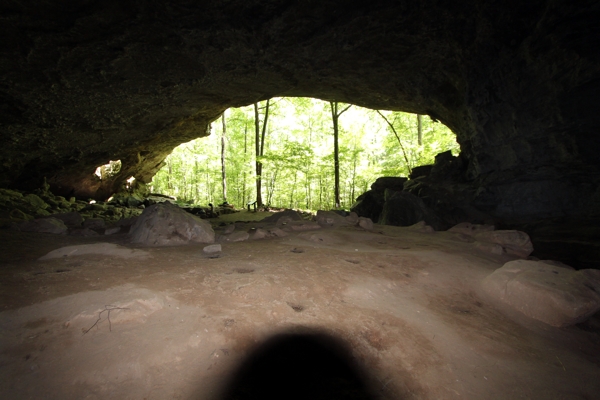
(85,82)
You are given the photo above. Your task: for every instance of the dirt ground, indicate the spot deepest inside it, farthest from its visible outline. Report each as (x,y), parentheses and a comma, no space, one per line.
(176,324)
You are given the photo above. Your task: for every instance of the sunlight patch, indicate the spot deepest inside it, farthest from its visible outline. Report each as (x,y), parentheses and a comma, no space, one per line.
(108,170)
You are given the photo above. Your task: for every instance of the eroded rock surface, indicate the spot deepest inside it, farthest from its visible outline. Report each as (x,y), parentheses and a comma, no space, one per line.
(165,224)
(552,294)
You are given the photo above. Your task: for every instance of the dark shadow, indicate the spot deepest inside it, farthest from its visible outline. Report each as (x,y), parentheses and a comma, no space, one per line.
(299,366)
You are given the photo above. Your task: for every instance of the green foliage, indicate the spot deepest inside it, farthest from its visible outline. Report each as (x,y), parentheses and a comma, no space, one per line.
(298,156)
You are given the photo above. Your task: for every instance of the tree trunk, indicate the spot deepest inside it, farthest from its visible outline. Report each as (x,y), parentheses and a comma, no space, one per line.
(335,116)
(420,129)
(399,141)
(223,174)
(259,142)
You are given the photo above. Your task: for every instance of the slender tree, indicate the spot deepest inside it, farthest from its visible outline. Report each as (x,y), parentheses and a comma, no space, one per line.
(420,129)
(335,116)
(399,141)
(223,174)
(259,142)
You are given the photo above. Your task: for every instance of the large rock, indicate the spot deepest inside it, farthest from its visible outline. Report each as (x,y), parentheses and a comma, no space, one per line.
(331,219)
(103,249)
(283,217)
(395,183)
(552,294)
(513,242)
(405,209)
(167,225)
(44,225)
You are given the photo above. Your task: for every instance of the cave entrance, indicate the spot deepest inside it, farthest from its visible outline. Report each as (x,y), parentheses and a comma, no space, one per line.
(296,154)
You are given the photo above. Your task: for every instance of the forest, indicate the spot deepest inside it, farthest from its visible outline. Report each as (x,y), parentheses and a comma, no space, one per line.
(288,151)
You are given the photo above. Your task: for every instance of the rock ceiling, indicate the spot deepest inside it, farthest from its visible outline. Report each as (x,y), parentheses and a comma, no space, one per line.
(85,82)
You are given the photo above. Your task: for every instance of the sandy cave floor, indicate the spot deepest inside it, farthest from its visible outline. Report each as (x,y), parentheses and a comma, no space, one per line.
(407,304)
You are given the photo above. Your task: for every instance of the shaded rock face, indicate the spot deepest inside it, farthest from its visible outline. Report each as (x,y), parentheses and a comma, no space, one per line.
(516,81)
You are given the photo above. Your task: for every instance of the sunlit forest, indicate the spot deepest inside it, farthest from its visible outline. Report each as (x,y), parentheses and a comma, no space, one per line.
(289,143)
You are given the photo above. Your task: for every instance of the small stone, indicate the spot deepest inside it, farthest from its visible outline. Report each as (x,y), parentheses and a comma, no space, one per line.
(212,249)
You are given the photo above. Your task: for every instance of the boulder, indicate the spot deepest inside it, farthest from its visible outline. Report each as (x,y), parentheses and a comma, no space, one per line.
(85,232)
(406,209)
(94,223)
(421,227)
(369,205)
(395,183)
(352,218)
(212,249)
(467,228)
(552,294)
(330,219)
(277,232)
(105,249)
(259,233)
(44,225)
(513,242)
(283,217)
(112,230)
(71,219)
(421,170)
(301,226)
(365,223)
(237,236)
(165,224)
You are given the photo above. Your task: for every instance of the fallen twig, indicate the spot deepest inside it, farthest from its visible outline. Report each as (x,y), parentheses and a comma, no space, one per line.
(107,317)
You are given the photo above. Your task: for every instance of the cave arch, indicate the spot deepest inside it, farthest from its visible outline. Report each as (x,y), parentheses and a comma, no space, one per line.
(129,81)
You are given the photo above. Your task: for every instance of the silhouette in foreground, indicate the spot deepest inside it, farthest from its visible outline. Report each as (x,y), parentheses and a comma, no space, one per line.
(299,366)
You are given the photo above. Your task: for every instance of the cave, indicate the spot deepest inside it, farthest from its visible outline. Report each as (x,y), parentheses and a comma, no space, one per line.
(86,83)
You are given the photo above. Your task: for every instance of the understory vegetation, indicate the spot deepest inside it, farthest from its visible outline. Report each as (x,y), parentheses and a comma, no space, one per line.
(289,144)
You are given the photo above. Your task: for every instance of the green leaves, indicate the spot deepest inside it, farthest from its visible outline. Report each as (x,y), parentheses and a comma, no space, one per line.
(298,155)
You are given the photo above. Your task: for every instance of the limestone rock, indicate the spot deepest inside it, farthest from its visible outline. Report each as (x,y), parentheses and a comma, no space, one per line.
(277,232)
(71,219)
(94,223)
(554,295)
(330,219)
(112,230)
(422,227)
(35,201)
(352,218)
(394,183)
(467,228)
(237,236)
(301,226)
(369,205)
(229,229)
(165,224)
(405,209)
(212,248)
(365,223)
(513,242)
(258,233)
(106,249)
(85,232)
(45,225)
(283,217)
